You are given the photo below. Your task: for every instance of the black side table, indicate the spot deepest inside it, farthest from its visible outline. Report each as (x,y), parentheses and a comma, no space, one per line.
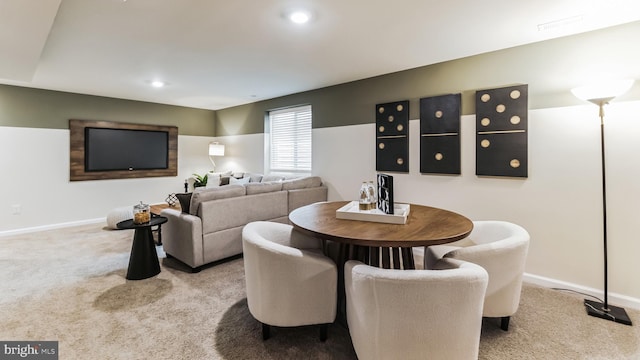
(143,262)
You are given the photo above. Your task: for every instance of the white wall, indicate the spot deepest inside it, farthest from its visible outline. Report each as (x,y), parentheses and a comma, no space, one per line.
(35,176)
(559,203)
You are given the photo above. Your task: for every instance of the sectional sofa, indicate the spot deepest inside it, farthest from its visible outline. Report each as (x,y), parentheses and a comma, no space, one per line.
(209,227)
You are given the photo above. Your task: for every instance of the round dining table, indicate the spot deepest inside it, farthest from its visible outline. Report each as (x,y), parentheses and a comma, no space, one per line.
(379,244)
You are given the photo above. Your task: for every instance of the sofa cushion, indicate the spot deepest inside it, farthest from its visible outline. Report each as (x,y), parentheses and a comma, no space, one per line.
(302,183)
(270,178)
(202,195)
(259,188)
(239,211)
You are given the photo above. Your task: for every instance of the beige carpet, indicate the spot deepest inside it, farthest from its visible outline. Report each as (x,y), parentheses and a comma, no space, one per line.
(69,285)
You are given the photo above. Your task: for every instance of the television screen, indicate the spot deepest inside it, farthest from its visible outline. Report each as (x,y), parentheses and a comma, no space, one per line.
(123,149)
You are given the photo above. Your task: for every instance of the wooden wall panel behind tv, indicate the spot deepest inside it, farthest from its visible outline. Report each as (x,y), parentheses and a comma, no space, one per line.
(77,151)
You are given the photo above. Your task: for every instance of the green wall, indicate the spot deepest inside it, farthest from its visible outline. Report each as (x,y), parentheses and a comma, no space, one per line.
(550,68)
(35,108)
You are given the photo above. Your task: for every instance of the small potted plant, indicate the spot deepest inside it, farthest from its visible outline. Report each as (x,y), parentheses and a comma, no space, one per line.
(200,181)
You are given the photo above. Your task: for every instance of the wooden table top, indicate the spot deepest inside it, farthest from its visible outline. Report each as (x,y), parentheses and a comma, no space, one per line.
(425,226)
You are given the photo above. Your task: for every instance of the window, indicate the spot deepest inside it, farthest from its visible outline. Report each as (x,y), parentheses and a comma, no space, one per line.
(289,132)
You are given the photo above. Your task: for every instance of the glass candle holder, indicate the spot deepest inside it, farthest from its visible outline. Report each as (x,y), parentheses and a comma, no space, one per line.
(141,213)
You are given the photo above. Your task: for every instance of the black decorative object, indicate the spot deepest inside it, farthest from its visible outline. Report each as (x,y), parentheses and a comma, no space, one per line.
(185,201)
(440,134)
(171,199)
(501,126)
(392,136)
(385,193)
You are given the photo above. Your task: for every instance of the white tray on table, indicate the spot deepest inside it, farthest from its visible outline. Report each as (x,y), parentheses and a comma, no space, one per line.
(351,211)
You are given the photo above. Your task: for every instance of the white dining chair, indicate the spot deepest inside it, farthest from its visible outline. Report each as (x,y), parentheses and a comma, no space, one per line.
(289,281)
(415,314)
(501,248)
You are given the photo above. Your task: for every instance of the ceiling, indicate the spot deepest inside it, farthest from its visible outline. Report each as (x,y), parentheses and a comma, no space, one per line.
(216,54)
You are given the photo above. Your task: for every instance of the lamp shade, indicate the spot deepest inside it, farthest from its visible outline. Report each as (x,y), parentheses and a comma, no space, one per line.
(216,149)
(603,90)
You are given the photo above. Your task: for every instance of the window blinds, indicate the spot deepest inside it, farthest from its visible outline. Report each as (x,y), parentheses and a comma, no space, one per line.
(290,140)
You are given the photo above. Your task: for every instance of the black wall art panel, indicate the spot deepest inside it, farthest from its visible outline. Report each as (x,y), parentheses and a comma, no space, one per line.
(501,131)
(440,134)
(392,136)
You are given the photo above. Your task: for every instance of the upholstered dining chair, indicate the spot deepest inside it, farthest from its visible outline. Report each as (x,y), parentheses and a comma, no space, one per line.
(289,281)
(501,248)
(415,314)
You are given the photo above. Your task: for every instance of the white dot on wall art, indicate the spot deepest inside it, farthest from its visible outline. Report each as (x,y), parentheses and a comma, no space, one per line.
(439,156)
(485,97)
(515,94)
(515,120)
(439,114)
(400,127)
(501,108)
(485,122)
(515,163)
(381,129)
(381,146)
(391,118)
(400,161)
(485,143)
(399,107)
(381,109)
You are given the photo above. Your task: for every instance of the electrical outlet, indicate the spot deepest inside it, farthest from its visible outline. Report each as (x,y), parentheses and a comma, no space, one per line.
(16,209)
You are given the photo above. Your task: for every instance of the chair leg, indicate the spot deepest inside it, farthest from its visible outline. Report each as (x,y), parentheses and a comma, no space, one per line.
(504,323)
(266,332)
(323,332)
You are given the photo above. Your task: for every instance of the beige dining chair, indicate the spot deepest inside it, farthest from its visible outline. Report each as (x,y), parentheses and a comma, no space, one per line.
(289,281)
(415,314)
(501,248)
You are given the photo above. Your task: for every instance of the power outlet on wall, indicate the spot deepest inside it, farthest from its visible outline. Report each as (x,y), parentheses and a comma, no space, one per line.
(16,209)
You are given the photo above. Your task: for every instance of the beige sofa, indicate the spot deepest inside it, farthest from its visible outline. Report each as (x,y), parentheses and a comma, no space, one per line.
(210,227)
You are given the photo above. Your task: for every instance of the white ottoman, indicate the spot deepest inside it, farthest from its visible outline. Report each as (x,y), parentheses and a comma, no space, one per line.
(119,214)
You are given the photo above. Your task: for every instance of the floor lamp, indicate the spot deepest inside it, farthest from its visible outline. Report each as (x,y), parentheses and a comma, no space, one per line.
(215,149)
(600,95)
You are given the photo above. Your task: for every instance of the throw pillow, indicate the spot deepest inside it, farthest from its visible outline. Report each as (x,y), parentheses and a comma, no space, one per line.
(214,180)
(185,201)
(254,177)
(233,180)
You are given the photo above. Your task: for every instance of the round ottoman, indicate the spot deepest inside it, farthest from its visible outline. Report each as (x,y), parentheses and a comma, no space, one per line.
(119,214)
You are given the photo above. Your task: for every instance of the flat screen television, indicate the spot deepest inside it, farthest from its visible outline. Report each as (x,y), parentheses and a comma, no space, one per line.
(124,149)
(100,150)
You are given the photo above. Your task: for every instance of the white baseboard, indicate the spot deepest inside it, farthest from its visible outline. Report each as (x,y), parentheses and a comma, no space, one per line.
(51,227)
(614,299)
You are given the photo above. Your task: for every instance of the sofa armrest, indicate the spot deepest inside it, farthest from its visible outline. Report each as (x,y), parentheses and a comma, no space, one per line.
(182,237)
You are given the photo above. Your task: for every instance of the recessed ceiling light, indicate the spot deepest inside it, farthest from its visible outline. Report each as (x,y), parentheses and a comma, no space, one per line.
(158,83)
(300,17)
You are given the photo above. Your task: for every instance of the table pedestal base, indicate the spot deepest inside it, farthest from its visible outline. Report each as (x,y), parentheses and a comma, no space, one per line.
(143,262)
